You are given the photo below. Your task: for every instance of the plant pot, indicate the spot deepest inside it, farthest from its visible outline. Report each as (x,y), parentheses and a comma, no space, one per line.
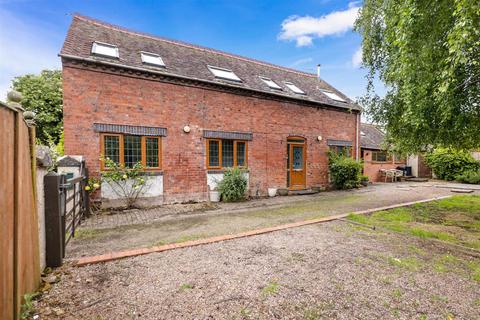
(364,183)
(214,196)
(272,192)
(282,192)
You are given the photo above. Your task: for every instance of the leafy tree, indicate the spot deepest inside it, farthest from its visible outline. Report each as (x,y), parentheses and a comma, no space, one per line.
(42,94)
(427,53)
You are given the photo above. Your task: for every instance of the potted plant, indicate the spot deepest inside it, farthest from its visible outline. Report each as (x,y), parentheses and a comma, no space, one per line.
(364,180)
(214,195)
(282,192)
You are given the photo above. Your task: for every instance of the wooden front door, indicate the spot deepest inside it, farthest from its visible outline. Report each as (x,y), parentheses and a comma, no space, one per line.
(296,164)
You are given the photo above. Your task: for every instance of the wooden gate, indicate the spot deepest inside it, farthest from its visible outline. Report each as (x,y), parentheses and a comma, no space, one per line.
(19,248)
(66,205)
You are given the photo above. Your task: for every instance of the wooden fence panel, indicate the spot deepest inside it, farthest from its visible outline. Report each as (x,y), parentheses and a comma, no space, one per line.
(26,229)
(7,158)
(19,254)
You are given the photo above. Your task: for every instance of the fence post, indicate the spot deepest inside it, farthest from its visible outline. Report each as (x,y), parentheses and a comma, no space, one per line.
(53,220)
(86,198)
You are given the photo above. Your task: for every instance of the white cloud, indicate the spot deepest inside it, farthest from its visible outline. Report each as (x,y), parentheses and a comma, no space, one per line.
(304,29)
(357,58)
(26,48)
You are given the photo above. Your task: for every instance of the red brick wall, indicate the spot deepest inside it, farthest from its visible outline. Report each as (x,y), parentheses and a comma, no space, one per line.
(372,168)
(91,96)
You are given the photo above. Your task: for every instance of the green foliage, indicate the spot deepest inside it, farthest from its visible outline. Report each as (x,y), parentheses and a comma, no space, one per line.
(448,163)
(127,183)
(345,172)
(93,184)
(233,186)
(472,177)
(60,147)
(364,178)
(427,53)
(42,94)
(27,308)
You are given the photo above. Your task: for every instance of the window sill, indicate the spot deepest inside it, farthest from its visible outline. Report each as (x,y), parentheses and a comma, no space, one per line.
(143,173)
(213,171)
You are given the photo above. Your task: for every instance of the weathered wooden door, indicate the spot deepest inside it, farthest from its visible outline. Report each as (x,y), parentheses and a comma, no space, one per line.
(296,164)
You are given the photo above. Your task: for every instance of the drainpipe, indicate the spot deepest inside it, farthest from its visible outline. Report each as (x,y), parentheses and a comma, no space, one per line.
(357,134)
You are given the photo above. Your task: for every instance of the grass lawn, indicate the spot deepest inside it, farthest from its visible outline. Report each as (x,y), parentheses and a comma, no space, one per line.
(455,220)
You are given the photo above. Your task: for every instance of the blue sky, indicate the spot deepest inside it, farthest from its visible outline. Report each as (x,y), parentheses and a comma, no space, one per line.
(297,34)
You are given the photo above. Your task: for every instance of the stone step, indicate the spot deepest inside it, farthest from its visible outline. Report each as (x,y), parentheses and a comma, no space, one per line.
(301,192)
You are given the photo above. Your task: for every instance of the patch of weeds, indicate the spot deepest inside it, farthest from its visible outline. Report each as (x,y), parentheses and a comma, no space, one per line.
(83,234)
(446,263)
(190,238)
(312,314)
(396,215)
(245,313)
(421,233)
(27,309)
(386,280)
(437,298)
(475,270)
(397,293)
(360,218)
(297,256)
(396,313)
(410,263)
(477,302)
(186,286)
(414,249)
(271,288)
(159,243)
(423,317)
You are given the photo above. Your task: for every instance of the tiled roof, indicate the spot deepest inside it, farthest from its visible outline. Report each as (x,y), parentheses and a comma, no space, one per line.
(191,61)
(371,137)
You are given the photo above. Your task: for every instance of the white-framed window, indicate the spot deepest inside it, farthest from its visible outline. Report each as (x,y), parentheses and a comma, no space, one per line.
(272,84)
(105,49)
(224,73)
(294,88)
(333,96)
(152,59)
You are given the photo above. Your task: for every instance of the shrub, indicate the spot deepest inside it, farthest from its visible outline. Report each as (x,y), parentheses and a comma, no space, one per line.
(344,171)
(472,177)
(364,178)
(233,186)
(127,183)
(448,163)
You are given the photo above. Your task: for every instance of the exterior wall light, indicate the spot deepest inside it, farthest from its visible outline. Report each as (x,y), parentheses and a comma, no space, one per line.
(186,129)
(319,138)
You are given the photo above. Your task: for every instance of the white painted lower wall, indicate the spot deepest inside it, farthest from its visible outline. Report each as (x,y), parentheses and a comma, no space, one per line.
(214,178)
(153,188)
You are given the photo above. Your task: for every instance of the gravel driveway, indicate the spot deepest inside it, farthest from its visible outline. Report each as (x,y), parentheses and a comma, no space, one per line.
(163,226)
(333,270)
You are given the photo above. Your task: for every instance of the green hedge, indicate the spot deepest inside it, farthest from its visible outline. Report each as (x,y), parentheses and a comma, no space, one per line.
(345,172)
(448,163)
(472,177)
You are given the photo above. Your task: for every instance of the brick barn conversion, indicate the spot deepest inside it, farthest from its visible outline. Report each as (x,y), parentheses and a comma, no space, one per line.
(187,112)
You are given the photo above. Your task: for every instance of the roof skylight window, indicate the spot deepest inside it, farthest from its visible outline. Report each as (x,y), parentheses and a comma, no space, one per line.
(294,88)
(224,74)
(272,84)
(105,49)
(333,96)
(152,59)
